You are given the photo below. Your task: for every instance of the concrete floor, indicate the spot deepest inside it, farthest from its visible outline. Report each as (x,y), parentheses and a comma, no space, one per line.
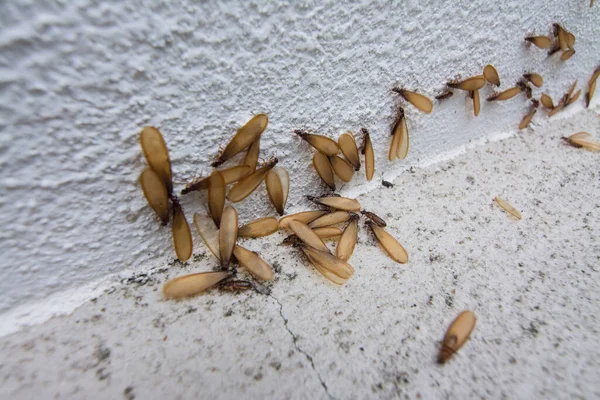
(533,285)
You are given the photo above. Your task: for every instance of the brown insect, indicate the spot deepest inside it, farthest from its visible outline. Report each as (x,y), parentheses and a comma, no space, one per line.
(236,285)
(457,335)
(400,141)
(505,95)
(508,207)
(190,285)
(491,75)
(228,234)
(347,145)
(278,186)
(304,217)
(387,184)
(524,86)
(416,99)
(337,203)
(529,116)
(391,246)
(247,185)
(592,86)
(325,145)
(253,263)
(534,78)
(469,84)
(259,228)
(543,42)
(244,137)
(583,139)
(374,217)
(367,150)
(347,241)
(157,185)
(444,95)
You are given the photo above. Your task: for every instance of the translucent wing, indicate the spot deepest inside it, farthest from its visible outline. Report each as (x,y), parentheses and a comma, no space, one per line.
(157,155)
(193,284)
(342,168)
(155,192)
(247,185)
(389,244)
(307,235)
(209,233)
(347,145)
(324,169)
(329,219)
(259,228)
(245,136)
(508,207)
(182,237)
(253,263)
(347,241)
(216,196)
(228,235)
(304,217)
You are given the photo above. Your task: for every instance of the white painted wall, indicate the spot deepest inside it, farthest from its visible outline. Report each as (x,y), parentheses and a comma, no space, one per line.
(78,79)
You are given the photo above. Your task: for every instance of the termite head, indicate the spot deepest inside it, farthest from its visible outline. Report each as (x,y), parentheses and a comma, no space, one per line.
(398,90)
(291,240)
(399,116)
(445,354)
(270,163)
(535,103)
(301,132)
(219,160)
(366,136)
(556,28)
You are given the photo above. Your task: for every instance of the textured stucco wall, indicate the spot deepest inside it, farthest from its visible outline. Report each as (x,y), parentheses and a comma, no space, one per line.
(79,79)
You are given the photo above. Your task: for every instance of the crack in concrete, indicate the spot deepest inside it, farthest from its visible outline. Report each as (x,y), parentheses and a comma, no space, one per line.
(294,341)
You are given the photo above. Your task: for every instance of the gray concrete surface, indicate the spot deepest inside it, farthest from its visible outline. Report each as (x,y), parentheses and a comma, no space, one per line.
(533,285)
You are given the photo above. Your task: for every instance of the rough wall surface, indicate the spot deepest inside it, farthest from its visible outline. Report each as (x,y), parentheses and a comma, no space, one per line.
(79,79)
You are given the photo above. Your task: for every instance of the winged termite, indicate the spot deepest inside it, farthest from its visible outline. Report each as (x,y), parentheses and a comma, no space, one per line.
(444,95)
(567,54)
(155,192)
(245,136)
(253,263)
(590,93)
(583,139)
(328,262)
(469,84)
(508,207)
(251,158)
(571,90)
(573,98)
(529,116)
(524,86)
(457,335)
(416,99)
(307,235)
(328,232)
(547,101)
(182,237)
(347,241)
(338,203)
(342,168)
(209,233)
(543,42)
(234,174)
(278,185)
(324,169)
(325,145)
(367,150)
(259,228)
(491,75)
(196,184)
(505,95)
(332,218)
(228,235)
(216,196)
(534,78)
(304,217)
(391,246)
(374,217)
(247,185)
(400,140)
(347,145)
(236,285)
(157,155)
(189,285)
(476,102)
